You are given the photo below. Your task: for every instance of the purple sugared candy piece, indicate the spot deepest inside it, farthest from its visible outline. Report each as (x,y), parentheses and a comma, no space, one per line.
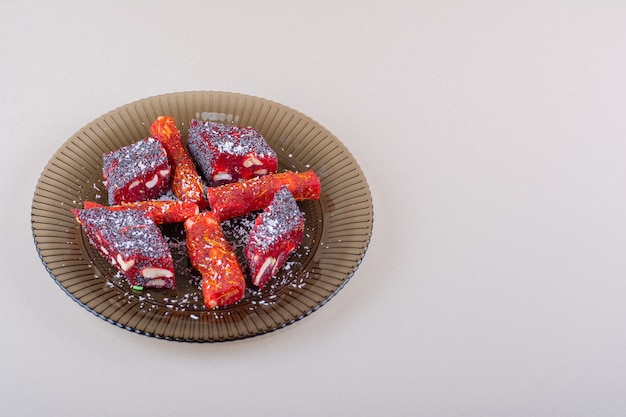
(226,153)
(136,172)
(277,232)
(132,242)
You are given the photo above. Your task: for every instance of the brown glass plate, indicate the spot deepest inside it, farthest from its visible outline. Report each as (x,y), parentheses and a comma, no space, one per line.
(338,225)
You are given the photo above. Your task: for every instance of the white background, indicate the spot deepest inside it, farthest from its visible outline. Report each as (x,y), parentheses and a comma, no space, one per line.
(493,138)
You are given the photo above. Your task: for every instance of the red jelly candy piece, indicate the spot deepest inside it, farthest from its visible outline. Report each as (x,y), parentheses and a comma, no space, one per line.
(277,232)
(227,153)
(136,172)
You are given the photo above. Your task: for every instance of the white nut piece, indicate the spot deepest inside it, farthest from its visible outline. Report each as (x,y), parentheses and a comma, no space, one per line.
(252,160)
(222,176)
(164,172)
(151,273)
(157,283)
(268,263)
(260,172)
(125,265)
(153,181)
(189,222)
(133,184)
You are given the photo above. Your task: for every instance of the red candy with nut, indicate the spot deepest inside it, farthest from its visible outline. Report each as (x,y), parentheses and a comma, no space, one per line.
(136,172)
(132,242)
(277,232)
(228,154)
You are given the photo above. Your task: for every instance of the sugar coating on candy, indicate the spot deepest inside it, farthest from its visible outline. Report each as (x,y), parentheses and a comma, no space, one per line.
(226,153)
(136,172)
(277,232)
(132,242)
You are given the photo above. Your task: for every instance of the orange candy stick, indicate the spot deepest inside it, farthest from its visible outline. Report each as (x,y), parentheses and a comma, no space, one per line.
(223,282)
(186,182)
(240,198)
(160,211)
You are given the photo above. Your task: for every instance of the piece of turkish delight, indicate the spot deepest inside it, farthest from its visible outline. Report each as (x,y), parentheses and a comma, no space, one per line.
(160,211)
(226,153)
(136,172)
(186,182)
(132,242)
(241,198)
(223,282)
(277,232)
